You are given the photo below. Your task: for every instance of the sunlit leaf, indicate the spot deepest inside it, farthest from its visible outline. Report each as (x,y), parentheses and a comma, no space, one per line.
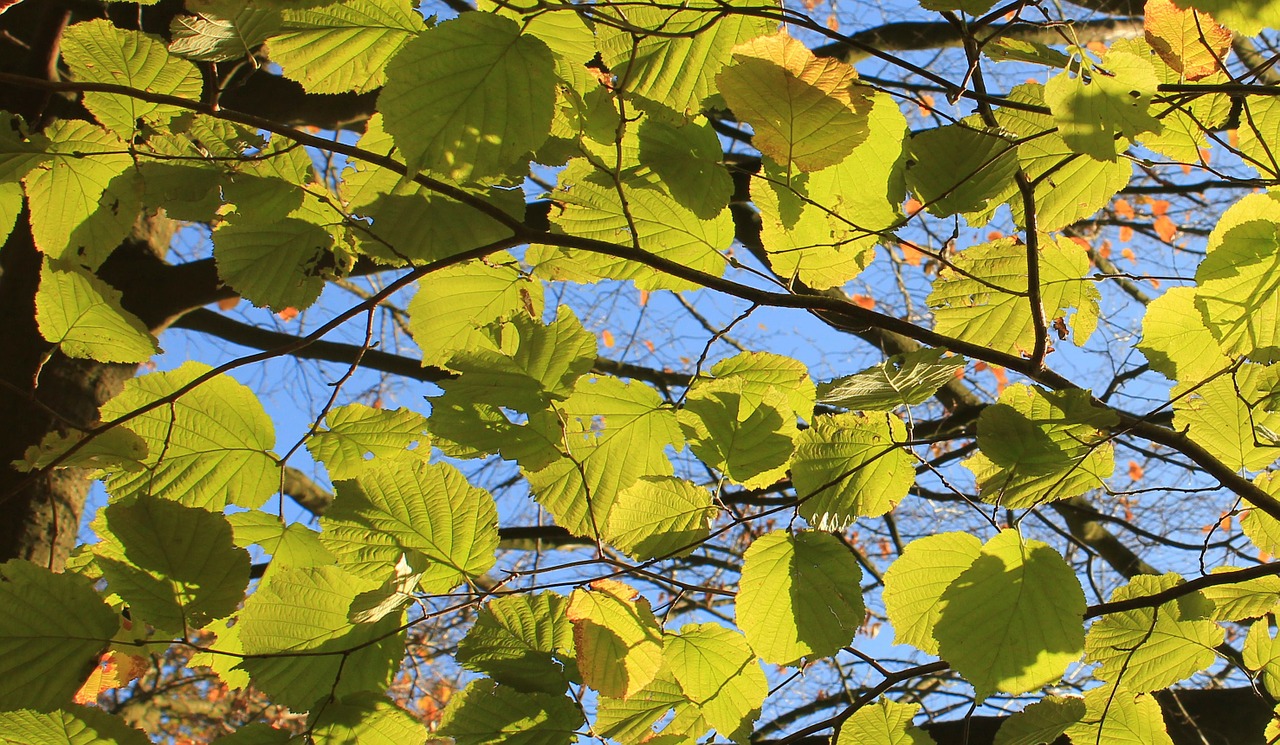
(523,641)
(486,713)
(618,641)
(914,584)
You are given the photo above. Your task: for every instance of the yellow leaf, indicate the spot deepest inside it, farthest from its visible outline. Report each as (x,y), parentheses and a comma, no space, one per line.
(1188,41)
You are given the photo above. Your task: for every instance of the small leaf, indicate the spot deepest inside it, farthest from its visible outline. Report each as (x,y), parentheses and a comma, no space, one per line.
(82,315)
(1191,43)
(902,380)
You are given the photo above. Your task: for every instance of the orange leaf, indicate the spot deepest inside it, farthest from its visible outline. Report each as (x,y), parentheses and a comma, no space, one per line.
(995,235)
(1126,233)
(1165,228)
(910,254)
(228,303)
(648,345)
(644,298)
(864,301)
(1135,471)
(912,206)
(1159,207)
(1105,250)
(926,104)
(288,314)
(114,670)
(1002,380)
(1128,254)
(607,337)
(1189,42)
(1123,209)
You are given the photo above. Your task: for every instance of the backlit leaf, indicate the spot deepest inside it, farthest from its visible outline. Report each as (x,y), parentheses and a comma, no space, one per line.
(618,641)
(82,315)
(913,585)
(720,674)
(486,713)
(343,46)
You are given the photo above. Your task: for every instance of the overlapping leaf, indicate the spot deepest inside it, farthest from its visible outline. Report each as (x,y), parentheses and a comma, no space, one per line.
(82,315)
(523,641)
(343,46)
(847,466)
(359,436)
(618,641)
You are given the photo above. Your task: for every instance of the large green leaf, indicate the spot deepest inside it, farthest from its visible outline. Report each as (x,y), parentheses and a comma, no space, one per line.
(1226,417)
(290,545)
(1042,722)
(982,297)
(1147,649)
(1261,653)
(523,641)
(1237,601)
(470,98)
(719,673)
(1238,291)
(52,629)
(1037,446)
(631,721)
(99,52)
(1120,718)
(761,371)
(848,466)
(175,566)
(1244,17)
(302,645)
(687,159)
(275,264)
(486,713)
(1015,589)
(799,596)
(617,639)
(1096,110)
(914,584)
(609,435)
(960,169)
(660,516)
(902,380)
(676,51)
(807,113)
(883,723)
(446,527)
(360,436)
(1175,340)
(79,725)
(343,46)
(208,37)
(746,435)
(208,448)
(82,315)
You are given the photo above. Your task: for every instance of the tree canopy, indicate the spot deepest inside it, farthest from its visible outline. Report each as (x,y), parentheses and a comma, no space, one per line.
(707,371)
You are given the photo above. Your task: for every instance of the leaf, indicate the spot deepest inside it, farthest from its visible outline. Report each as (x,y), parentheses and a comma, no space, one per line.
(115,670)
(1247,18)
(470,98)
(359,437)
(1041,722)
(53,628)
(1237,286)
(523,641)
(884,723)
(365,719)
(618,641)
(1175,340)
(82,315)
(427,511)
(345,46)
(1117,716)
(454,305)
(10,207)
(1189,42)
(208,448)
(99,52)
(1096,111)
(677,51)
(1261,653)
(301,645)
(1015,589)
(292,545)
(848,466)
(914,584)
(1038,447)
(720,674)
(805,111)
(1147,649)
(902,380)
(486,713)
(207,37)
(1237,601)
(274,265)
(799,596)
(77,725)
(982,297)
(760,371)
(687,159)
(631,721)
(1225,416)
(960,169)
(116,448)
(659,517)
(175,566)
(748,437)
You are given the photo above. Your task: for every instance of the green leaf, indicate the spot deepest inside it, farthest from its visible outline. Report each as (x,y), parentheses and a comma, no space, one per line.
(1147,649)
(176,566)
(82,315)
(630,721)
(276,264)
(799,596)
(1238,293)
(565,32)
(610,434)
(523,641)
(18,156)
(486,713)
(761,371)
(84,199)
(902,380)
(302,645)
(1024,50)
(1246,18)
(649,218)
(848,466)
(747,436)
(99,52)
(1261,653)
(677,64)
(806,112)
(1037,446)
(365,719)
(10,207)
(77,725)
(292,545)
(1227,417)
(1015,589)
(426,511)
(914,584)
(982,297)
(720,674)
(1175,340)
(454,305)
(617,639)
(116,448)
(470,98)
(1251,598)
(1042,722)
(659,517)
(207,37)
(53,627)
(360,436)
(687,159)
(208,448)
(1096,110)
(1119,717)
(226,639)
(960,169)
(344,46)
(885,723)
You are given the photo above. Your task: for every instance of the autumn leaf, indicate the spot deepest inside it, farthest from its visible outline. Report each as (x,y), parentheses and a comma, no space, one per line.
(1189,41)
